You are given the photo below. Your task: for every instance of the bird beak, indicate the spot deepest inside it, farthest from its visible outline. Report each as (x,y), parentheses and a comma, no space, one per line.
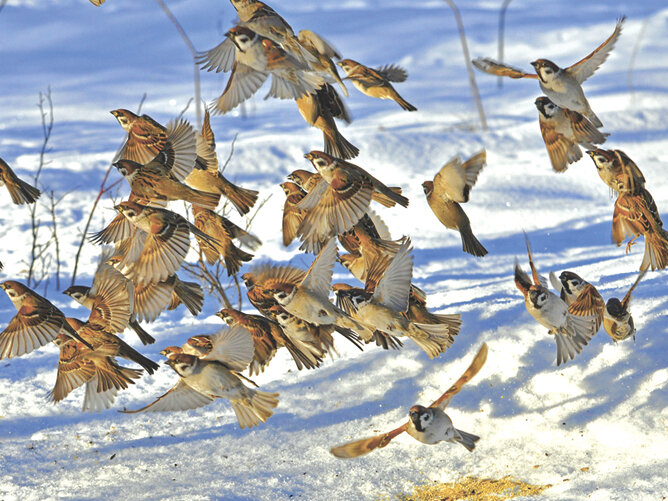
(3,285)
(308,156)
(118,208)
(535,64)
(340,63)
(591,153)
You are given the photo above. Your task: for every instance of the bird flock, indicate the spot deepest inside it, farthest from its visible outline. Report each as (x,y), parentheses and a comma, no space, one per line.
(146,243)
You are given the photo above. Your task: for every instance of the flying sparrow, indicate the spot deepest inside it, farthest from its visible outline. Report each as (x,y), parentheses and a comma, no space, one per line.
(153,182)
(563,130)
(166,244)
(176,143)
(571,332)
(455,179)
(617,319)
(561,85)
(37,322)
(376,83)
(339,200)
(581,297)
(292,215)
(206,176)
(319,110)
(452,216)
(385,302)
(323,53)
(313,341)
(201,381)
(637,215)
(223,231)
(617,170)
(231,347)
(417,312)
(429,425)
(20,191)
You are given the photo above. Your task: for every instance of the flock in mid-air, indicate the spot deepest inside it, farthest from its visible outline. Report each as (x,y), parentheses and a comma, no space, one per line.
(137,279)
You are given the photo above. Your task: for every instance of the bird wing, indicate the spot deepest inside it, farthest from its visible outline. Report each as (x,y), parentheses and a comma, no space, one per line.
(588,303)
(242,84)
(31,327)
(450,180)
(312,40)
(561,150)
(473,166)
(151,299)
(118,230)
(473,369)
(586,67)
(113,299)
(534,271)
(366,445)
(392,73)
(233,347)
(494,68)
(71,375)
(627,297)
(220,58)
(319,276)
(393,288)
(522,280)
(180,397)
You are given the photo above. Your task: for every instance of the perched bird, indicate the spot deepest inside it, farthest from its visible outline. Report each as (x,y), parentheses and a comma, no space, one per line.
(637,215)
(309,300)
(563,130)
(292,215)
(201,381)
(341,197)
(323,53)
(319,109)
(563,86)
(571,332)
(111,292)
(617,170)
(155,183)
(376,83)
(581,297)
(222,230)
(617,319)
(429,425)
(166,240)
(206,176)
(36,323)
(20,191)
(176,143)
(384,303)
(454,181)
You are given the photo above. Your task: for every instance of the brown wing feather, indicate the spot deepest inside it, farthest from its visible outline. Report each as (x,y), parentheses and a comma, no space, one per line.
(589,303)
(534,272)
(627,296)
(586,67)
(473,369)
(366,445)
(494,68)
(557,147)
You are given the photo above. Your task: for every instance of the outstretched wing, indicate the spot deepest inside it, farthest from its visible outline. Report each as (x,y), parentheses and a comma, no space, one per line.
(586,67)
(473,369)
(366,445)
(494,68)
(180,397)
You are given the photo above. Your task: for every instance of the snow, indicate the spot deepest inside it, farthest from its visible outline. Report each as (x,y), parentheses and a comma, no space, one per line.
(605,411)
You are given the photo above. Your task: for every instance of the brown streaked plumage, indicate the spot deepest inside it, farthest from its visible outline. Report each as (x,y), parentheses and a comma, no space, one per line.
(323,53)
(292,215)
(617,170)
(617,319)
(20,191)
(376,83)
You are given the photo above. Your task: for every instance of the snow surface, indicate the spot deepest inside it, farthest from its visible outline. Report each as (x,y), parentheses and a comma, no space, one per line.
(605,411)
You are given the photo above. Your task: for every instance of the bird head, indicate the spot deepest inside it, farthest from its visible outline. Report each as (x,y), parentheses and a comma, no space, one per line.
(428,188)
(319,159)
(545,69)
(538,296)
(77,292)
(571,282)
(127,167)
(242,37)
(420,416)
(226,316)
(546,107)
(125,117)
(183,364)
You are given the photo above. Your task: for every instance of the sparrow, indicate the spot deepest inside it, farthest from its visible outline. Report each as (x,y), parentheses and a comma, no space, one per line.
(323,53)
(617,319)
(262,279)
(176,143)
(452,216)
(188,293)
(417,312)
(571,332)
(563,130)
(429,425)
(267,336)
(385,302)
(339,200)
(206,176)
(113,296)
(255,58)
(36,323)
(617,170)
(376,83)
(455,179)
(292,215)
(563,86)
(637,215)
(166,242)
(20,191)
(154,182)
(580,296)
(231,347)
(201,381)
(319,109)
(313,341)
(309,300)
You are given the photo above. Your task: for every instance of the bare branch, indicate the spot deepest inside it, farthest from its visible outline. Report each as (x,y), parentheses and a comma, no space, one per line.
(229,157)
(469,66)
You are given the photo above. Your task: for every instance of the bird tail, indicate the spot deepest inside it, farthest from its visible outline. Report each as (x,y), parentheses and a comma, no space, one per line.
(128,352)
(23,193)
(656,251)
(234,258)
(255,408)
(386,341)
(403,103)
(434,339)
(190,294)
(470,243)
(390,197)
(338,146)
(202,198)
(468,440)
(242,198)
(144,336)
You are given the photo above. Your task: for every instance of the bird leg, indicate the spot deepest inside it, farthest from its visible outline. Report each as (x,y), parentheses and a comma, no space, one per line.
(631,243)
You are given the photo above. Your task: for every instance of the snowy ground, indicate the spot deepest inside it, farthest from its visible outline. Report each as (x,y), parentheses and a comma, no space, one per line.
(605,411)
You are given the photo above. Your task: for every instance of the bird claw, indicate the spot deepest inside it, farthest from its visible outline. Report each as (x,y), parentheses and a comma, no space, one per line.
(631,243)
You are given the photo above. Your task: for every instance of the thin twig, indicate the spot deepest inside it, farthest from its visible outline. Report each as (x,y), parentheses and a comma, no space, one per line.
(185,108)
(229,157)
(179,28)
(249,220)
(502,28)
(632,61)
(103,189)
(54,234)
(469,67)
